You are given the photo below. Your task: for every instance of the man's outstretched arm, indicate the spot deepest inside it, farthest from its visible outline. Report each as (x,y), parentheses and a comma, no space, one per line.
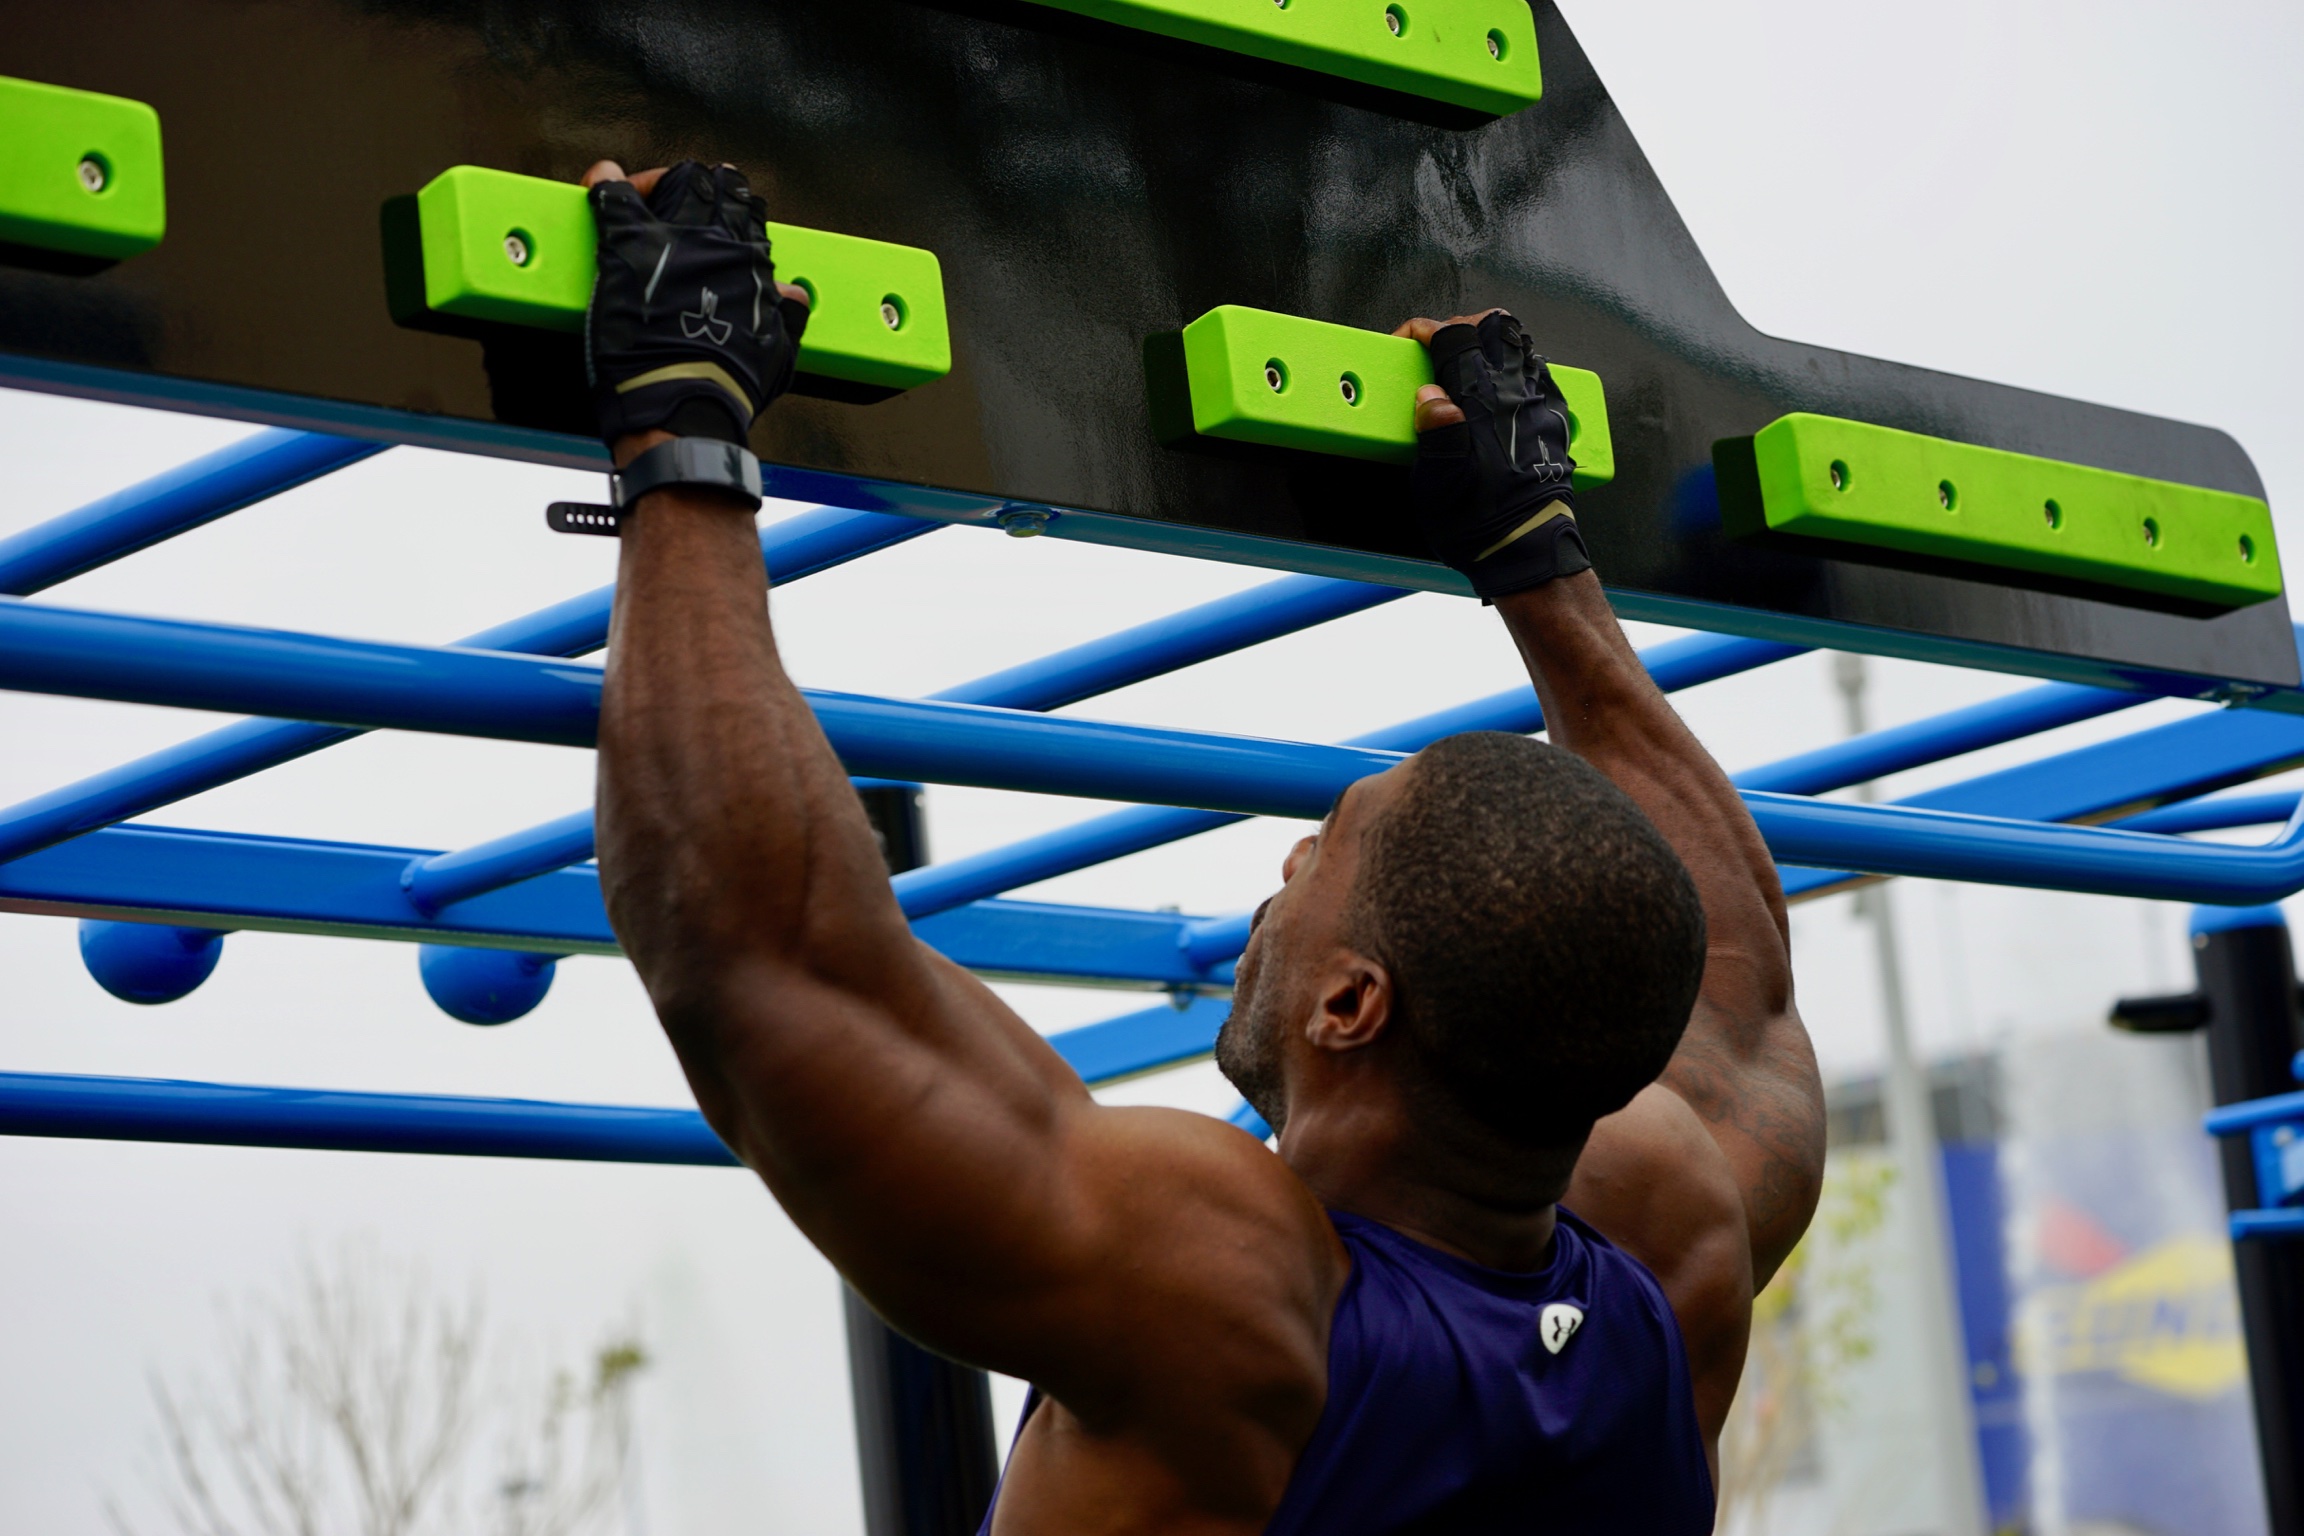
(1745,1065)
(1157,1272)
(1710,1176)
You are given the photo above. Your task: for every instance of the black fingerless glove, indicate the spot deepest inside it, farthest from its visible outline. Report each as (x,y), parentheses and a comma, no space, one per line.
(1492,490)
(686,330)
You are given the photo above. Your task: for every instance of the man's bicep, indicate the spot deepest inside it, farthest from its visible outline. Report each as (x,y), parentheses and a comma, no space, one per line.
(1656,1183)
(958,1173)
(1756,1091)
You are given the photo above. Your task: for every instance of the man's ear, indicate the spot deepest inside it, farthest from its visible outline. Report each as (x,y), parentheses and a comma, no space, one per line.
(1353,1003)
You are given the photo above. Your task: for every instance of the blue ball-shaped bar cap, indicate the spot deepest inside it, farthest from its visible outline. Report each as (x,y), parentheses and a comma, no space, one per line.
(484,986)
(148,962)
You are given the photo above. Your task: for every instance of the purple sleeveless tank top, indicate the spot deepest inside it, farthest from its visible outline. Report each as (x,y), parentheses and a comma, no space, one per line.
(1478,1402)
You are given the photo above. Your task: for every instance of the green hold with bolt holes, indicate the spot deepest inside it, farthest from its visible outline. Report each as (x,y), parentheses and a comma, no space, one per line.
(79,172)
(1479,54)
(520,250)
(1857,483)
(1232,355)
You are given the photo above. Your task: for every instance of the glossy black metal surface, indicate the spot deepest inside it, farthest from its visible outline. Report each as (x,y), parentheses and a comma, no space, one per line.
(1084,194)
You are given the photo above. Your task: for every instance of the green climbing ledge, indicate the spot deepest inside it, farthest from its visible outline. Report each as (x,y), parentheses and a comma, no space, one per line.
(1861,484)
(1286,382)
(79,172)
(1479,54)
(519,250)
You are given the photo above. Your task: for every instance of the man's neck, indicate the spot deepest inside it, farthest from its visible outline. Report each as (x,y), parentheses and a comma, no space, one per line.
(1473,1199)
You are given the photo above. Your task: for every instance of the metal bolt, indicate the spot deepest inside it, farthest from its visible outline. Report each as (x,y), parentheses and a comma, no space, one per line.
(890,315)
(1495,46)
(1024,522)
(515,250)
(1351,390)
(93,176)
(1274,377)
(1839,473)
(1392,21)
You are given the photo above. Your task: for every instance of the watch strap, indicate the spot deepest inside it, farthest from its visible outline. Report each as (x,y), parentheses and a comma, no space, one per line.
(703,462)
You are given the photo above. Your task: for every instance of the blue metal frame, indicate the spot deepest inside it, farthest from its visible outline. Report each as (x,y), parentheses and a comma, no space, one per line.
(65,853)
(261,465)
(2275,1131)
(243,1115)
(1164,645)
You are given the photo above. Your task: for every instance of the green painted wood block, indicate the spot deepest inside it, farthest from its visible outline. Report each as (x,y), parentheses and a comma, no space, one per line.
(1256,376)
(1479,54)
(1857,483)
(520,250)
(79,173)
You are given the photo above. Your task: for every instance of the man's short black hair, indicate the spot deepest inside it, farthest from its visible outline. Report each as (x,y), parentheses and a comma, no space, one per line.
(1545,942)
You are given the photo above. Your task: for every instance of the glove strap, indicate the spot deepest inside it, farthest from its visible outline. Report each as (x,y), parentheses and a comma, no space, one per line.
(703,462)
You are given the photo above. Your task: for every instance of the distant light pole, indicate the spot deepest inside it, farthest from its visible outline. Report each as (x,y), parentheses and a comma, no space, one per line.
(1911,1122)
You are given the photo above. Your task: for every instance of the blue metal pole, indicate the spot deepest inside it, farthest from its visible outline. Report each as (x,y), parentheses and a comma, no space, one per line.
(2216,813)
(447,878)
(502,696)
(1674,665)
(228,880)
(1164,645)
(2156,766)
(1876,754)
(1173,642)
(795,547)
(227,1114)
(175,501)
(238,1115)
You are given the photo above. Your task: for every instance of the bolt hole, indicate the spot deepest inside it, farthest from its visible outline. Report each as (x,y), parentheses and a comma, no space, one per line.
(1349,386)
(1947,496)
(805,287)
(517,249)
(893,313)
(1839,473)
(1395,21)
(1496,46)
(2151,533)
(2053,513)
(1276,375)
(2247,550)
(95,174)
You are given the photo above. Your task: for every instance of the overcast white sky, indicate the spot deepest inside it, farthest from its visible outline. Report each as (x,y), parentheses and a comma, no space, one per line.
(2099,200)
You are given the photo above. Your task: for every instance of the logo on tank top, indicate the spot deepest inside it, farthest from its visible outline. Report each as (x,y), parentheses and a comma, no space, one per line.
(1557,1324)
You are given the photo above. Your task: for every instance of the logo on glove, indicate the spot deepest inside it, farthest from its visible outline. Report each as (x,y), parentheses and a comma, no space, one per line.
(705,321)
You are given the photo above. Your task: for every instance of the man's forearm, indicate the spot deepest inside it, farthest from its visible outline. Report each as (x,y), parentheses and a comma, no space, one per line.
(1745,1064)
(727,828)
(1601,704)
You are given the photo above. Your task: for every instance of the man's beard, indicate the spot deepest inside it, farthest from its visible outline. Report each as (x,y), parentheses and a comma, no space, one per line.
(1248,1054)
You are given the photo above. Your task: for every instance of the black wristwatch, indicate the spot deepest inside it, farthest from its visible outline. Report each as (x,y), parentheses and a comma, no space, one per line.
(698,461)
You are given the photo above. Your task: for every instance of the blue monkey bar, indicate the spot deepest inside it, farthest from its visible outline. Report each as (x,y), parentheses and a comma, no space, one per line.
(1165,645)
(522,698)
(798,546)
(245,1115)
(179,500)
(64,852)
